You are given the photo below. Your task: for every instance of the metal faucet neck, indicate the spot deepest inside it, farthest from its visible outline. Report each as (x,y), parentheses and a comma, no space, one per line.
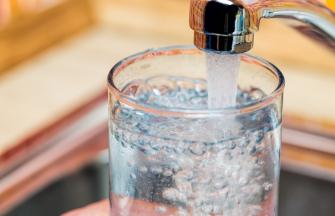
(229,25)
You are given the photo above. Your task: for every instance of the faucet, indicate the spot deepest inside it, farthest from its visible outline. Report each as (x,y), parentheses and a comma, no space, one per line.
(228,26)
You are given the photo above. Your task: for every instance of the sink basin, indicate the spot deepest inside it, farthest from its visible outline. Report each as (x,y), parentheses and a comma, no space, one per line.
(299,195)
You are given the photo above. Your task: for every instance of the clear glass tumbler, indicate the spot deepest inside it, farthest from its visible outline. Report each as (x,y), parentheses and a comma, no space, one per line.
(171,155)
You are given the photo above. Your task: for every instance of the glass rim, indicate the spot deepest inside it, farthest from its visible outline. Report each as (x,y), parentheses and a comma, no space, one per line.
(178,112)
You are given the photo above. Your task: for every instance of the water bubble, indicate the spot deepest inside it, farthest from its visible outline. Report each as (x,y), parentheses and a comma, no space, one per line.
(182,98)
(253,150)
(254,210)
(259,136)
(267,186)
(207,209)
(223,193)
(218,184)
(182,212)
(131,162)
(235,174)
(174,167)
(167,172)
(123,202)
(143,169)
(185,174)
(156,169)
(201,89)
(260,162)
(161,209)
(203,178)
(132,88)
(161,85)
(173,194)
(256,94)
(197,148)
(186,162)
(197,102)
(185,84)
(133,176)
(243,181)
(231,145)
(184,187)
(228,172)
(143,93)
(217,210)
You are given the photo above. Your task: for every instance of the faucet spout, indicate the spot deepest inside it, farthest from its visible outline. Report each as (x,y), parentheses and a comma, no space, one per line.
(229,25)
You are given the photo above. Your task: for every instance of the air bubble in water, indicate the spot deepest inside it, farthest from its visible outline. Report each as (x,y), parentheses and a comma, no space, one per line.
(133,176)
(184,174)
(173,194)
(197,148)
(267,186)
(156,169)
(219,184)
(182,212)
(167,172)
(131,162)
(207,208)
(203,178)
(184,187)
(161,209)
(243,181)
(143,169)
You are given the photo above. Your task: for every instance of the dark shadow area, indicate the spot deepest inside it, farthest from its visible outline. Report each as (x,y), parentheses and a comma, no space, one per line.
(73,191)
(305,196)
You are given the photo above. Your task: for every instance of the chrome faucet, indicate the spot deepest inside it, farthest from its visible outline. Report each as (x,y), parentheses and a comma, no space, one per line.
(229,25)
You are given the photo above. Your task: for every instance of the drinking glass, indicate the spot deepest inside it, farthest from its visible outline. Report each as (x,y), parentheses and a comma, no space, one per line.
(171,155)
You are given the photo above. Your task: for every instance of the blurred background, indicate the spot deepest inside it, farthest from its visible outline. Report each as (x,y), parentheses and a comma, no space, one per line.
(54,60)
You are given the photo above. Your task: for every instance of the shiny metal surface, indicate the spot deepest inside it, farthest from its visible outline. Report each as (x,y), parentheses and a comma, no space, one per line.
(229,25)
